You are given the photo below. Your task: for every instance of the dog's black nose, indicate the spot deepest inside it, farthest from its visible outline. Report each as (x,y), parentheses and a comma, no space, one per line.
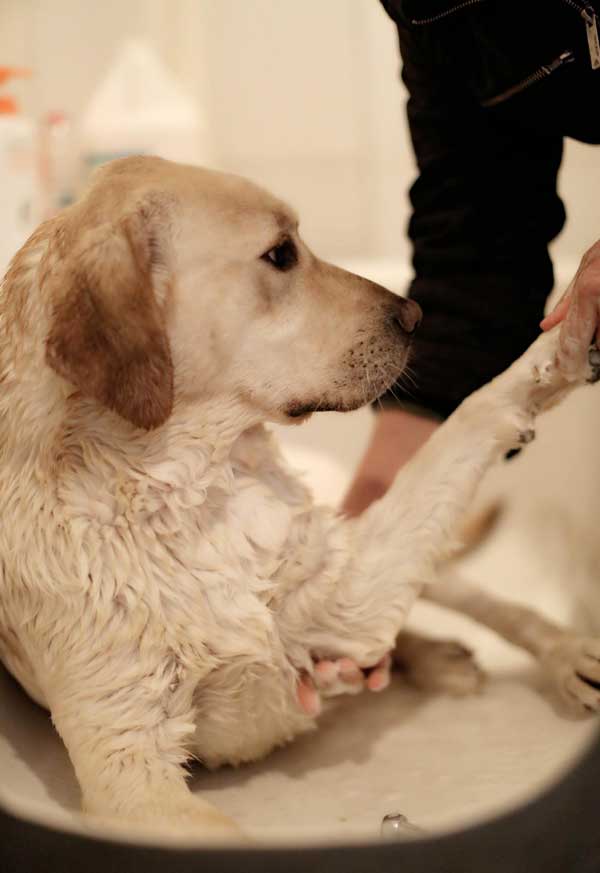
(407,314)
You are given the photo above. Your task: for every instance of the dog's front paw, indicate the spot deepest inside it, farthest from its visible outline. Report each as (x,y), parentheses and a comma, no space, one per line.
(536,381)
(573,668)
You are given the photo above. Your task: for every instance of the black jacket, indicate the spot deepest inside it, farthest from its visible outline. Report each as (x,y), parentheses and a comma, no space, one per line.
(494,87)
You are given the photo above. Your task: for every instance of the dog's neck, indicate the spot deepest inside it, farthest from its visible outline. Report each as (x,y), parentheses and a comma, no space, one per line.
(189,453)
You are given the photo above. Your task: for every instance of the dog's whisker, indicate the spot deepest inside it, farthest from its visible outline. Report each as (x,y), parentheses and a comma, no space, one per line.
(400,384)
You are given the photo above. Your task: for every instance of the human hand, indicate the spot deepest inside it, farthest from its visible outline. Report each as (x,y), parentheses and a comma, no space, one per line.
(342,676)
(579,312)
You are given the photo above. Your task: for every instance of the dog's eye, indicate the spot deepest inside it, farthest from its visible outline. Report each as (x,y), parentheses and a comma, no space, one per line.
(283,256)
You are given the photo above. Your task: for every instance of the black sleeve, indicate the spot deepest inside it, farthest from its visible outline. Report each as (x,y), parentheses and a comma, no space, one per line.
(485,206)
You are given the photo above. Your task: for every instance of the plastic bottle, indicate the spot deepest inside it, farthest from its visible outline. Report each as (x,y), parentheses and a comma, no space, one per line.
(59,166)
(18,174)
(139,108)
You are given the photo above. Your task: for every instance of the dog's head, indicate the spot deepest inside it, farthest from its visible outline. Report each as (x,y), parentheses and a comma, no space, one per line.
(176,281)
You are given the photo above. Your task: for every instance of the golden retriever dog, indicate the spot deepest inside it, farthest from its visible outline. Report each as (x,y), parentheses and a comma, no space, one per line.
(165,581)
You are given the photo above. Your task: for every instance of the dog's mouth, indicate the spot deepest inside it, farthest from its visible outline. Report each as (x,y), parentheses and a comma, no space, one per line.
(355,392)
(299,410)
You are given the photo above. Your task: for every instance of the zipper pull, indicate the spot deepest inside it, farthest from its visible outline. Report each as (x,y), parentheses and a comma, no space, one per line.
(591,29)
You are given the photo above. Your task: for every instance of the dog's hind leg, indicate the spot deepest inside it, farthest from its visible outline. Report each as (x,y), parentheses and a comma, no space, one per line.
(126,728)
(570,661)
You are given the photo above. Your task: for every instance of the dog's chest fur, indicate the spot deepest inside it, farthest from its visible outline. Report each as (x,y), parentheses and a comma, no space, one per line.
(180,562)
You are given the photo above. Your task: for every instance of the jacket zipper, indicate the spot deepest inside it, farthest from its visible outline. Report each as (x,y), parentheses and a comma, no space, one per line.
(585,9)
(448,12)
(543,72)
(588,13)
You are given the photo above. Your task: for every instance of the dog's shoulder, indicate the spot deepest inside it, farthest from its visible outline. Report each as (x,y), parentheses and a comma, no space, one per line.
(256,455)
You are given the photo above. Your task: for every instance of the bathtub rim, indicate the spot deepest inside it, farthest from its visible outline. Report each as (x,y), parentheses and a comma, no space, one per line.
(554,832)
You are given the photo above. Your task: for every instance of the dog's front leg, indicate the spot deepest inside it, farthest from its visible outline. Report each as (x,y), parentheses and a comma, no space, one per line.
(359,610)
(126,736)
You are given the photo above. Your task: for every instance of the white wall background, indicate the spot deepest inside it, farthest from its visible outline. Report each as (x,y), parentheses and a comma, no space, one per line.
(301,96)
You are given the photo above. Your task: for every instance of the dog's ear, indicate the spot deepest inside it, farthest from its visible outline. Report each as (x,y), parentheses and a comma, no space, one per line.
(107,335)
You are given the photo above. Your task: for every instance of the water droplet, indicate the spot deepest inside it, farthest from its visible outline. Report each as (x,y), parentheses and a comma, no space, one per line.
(396,826)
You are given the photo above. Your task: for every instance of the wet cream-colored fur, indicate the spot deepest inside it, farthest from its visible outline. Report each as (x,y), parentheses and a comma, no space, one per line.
(164,578)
